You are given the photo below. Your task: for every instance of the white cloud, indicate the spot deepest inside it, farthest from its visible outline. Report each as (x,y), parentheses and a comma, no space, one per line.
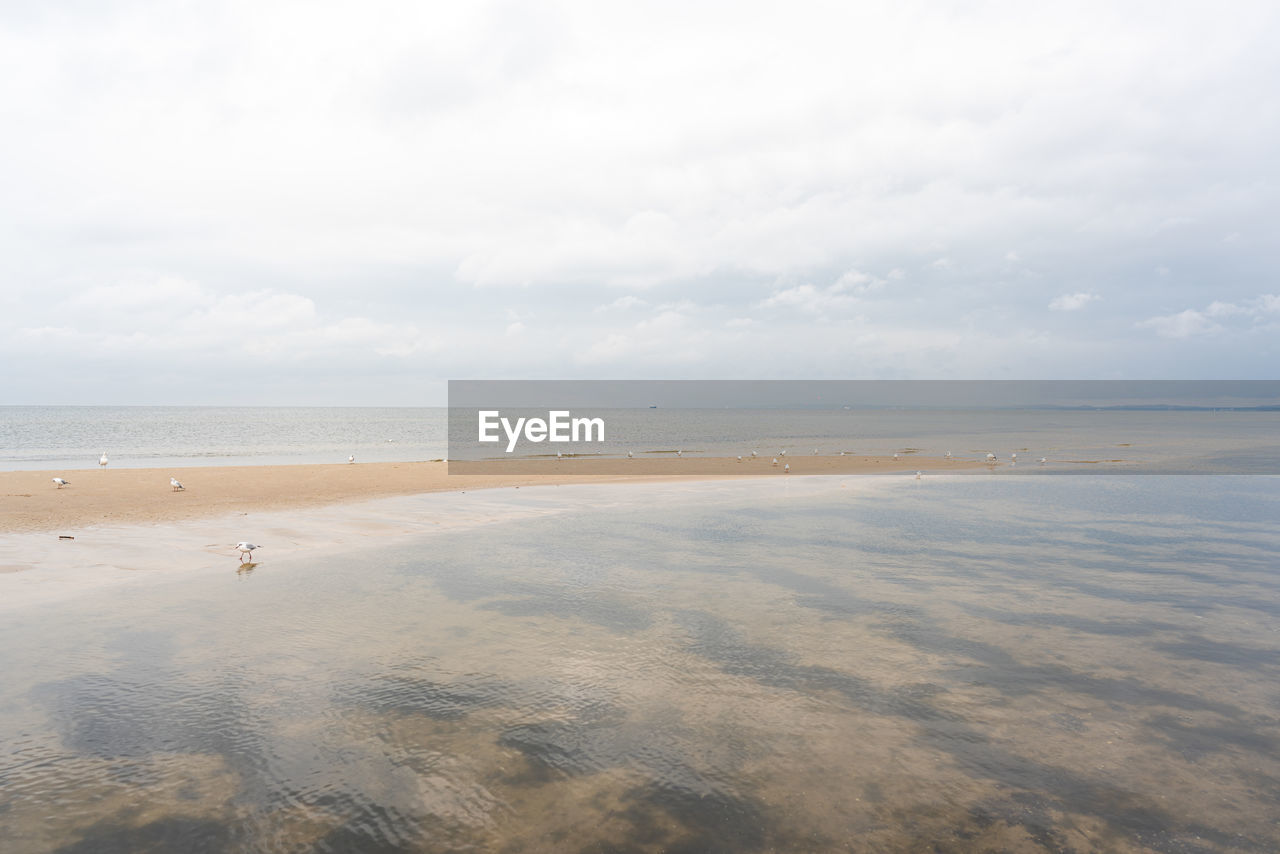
(808,299)
(1184,324)
(1223,309)
(841,295)
(623,303)
(1192,322)
(1072,302)
(858,283)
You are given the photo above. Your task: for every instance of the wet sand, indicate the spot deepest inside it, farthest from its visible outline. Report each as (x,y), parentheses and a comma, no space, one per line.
(29,501)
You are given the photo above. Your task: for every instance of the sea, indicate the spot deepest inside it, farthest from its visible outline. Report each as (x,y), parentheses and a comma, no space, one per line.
(1072,441)
(863,664)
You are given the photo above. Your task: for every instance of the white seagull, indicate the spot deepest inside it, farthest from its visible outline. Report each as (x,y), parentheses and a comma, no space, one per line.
(246,549)
(679,453)
(754,453)
(815,452)
(786,469)
(1014,458)
(895,456)
(102,460)
(629,455)
(775,461)
(991,458)
(782,454)
(918,474)
(61,483)
(739,457)
(351,458)
(948,455)
(173,482)
(1042,461)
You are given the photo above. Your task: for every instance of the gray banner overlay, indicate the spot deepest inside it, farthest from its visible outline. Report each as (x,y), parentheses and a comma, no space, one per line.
(660,427)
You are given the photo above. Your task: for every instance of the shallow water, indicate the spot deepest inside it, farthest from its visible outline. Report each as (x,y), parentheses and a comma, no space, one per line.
(953,664)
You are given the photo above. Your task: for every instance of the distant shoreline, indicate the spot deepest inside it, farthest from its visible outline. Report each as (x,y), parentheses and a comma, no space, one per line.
(29,500)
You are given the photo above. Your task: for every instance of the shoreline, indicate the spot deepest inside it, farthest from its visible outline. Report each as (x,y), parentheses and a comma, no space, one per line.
(40,567)
(30,502)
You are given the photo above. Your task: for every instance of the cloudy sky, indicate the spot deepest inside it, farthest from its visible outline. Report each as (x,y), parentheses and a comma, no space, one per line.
(324,203)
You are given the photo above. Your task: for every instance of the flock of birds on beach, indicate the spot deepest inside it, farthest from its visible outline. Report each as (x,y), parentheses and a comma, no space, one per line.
(246,549)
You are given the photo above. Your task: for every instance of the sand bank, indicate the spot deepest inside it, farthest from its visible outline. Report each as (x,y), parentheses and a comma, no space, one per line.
(29,501)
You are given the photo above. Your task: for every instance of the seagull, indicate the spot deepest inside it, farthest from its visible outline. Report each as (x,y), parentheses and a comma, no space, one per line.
(629,456)
(351,458)
(1014,458)
(948,455)
(558,457)
(918,474)
(895,456)
(61,483)
(739,457)
(102,460)
(786,469)
(782,454)
(679,453)
(991,458)
(842,453)
(754,454)
(775,461)
(1042,461)
(246,549)
(815,452)
(173,482)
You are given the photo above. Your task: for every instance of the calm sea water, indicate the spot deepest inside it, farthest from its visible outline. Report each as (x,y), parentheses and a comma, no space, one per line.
(62,437)
(954,664)
(70,437)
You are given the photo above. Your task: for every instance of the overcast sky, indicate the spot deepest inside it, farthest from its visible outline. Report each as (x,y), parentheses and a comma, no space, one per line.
(349,203)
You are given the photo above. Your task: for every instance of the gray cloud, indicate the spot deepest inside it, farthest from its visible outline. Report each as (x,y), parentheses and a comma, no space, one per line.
(313,201)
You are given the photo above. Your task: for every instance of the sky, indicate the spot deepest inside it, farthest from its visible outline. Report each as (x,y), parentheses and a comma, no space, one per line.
(266,203)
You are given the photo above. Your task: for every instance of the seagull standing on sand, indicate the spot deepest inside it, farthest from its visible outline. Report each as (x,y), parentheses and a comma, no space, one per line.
(754,454)
(786,469)
(895,456)
(61,483)
(775,461)
(629,456)
(173,482)
(991,458)
(739,457)
(918,474)
(948,455)
(679,453)
(351,459)
(246,549)
(1042,461)
(102,460)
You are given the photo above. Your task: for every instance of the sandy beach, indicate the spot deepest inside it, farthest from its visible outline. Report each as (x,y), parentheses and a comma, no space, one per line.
(29,500)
